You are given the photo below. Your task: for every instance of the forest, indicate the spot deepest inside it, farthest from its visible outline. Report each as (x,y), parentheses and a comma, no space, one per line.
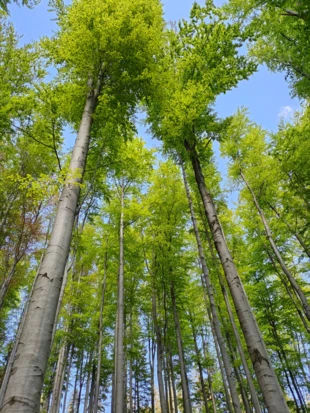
(134,278)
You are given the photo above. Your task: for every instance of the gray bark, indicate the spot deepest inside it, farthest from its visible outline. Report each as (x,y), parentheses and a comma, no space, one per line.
(162,396)
(202,382)
(13,352)
(215,317)
(59,378)
(267,379)
(119,351)
(277,253)
(87,383)
(174,391)
(96,400)
(290,293)
(184,380)
(252,389)
(6,284)
(25,384)
(293,232)
(209,377)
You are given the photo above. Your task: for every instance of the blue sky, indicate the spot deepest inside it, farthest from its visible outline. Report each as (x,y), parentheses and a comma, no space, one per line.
(266,94)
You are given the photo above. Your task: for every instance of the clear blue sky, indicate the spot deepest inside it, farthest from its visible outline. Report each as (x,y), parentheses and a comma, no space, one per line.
(266,94)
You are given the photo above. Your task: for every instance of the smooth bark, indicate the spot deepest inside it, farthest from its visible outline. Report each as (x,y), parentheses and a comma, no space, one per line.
(267,379)
(103,288)
(25,384)
(185,388)
(200,369)
(293,282)
(174,390)
(59,377)
(292,231)
(119,333)
(213,308)
(162,396)
(252,389)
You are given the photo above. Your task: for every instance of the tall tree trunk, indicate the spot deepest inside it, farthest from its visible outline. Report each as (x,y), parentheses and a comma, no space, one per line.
(285,363)
(221,358)
(25,385)
(162,396)
(152,363)
(169,382)
(167,387)
(119,351)
(59,377)
(268,382)
(202,382)
(294,284)
(6,284)
(92,388)
(68,380)
(290,293)
(14,350)
(81,379)
(103,288)
(204,346)
(61,296)
(292,231)
(185,389)
(252,389)
(174,390)
(130,365)
(236,370)
(215,318)
(86,398)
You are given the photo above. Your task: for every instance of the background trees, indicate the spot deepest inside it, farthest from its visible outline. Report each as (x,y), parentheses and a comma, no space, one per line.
(137,304)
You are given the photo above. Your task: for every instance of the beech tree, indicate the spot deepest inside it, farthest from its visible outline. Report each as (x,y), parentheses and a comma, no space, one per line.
(128,281)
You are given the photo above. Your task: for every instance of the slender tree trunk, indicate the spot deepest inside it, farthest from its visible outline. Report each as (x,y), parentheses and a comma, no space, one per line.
(92,389)
(185,389)
(162,396)
(119,353)
(68,380)
(61,296)
(252,389)
(290,294)
(8,209)
(130,365)
(6,284)
(86,398)
(168,399)
(202,382)
(292,231)
(169,382)
(268,382)
(174,391)
(221,359)
(58,380)
(81,379)
(96,399)
(215,318)
(285,363)
(236,371)
(151,363)
(294,284)
(210,377)
(25,385)
(305,353)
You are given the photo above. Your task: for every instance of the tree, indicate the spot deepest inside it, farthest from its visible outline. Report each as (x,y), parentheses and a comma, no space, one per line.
(126,25)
